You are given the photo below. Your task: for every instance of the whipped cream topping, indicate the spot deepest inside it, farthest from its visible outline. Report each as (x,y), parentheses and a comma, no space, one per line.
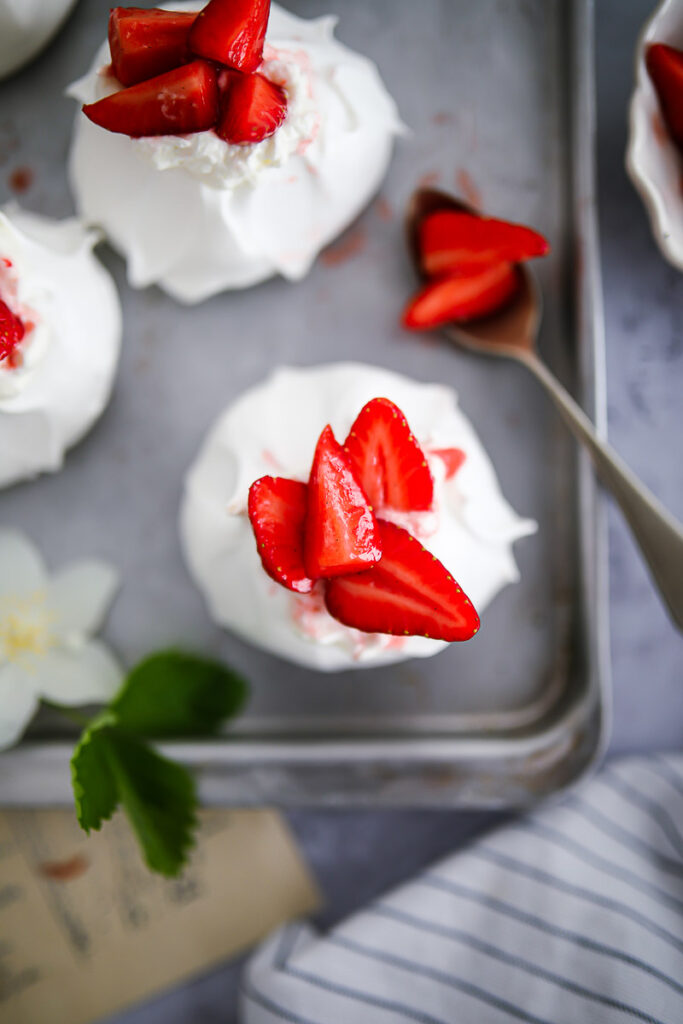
(272,429)
(198,215)
(52,393)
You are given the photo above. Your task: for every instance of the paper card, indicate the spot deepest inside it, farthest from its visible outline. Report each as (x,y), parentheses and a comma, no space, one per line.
(86,929)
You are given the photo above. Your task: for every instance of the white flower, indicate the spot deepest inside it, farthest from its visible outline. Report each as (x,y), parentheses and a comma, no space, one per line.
(45,630)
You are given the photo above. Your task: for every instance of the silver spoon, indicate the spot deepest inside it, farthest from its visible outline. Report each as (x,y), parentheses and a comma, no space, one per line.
(512,333)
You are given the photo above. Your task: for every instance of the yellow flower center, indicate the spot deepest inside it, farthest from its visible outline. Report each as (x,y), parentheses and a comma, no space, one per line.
(25,631)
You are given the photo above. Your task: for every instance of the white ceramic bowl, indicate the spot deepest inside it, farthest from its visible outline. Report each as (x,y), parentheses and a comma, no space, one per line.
(26,26)
(653,161)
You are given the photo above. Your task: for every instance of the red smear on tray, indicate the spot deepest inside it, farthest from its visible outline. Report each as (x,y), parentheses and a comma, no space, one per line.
(467,188)
(21,179)
(429,179)
(385,210)
(443,117)
(64,870)
(352,243)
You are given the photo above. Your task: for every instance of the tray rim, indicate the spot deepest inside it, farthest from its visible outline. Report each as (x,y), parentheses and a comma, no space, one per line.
(398,771)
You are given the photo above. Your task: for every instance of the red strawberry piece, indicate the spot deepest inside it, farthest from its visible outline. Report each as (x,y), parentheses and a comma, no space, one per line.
(146,43)
(463,297)
(452,458)
(277,512)
(665,66)
(451,241)
(388,461)
(409,593)
(178,102)
(253,108)
(341,530)
(231,32)
(12,331)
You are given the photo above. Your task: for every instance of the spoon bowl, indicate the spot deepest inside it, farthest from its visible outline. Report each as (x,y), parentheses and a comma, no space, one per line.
(511,332)
(512,328)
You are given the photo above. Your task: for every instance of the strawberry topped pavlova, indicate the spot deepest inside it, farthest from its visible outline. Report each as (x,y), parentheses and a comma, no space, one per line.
(344,515)
(60,335)
(221,145)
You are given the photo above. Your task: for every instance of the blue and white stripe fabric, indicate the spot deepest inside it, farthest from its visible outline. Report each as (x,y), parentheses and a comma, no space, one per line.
(573,915)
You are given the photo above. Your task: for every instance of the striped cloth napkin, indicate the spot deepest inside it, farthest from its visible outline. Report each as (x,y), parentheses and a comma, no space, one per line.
(573,915)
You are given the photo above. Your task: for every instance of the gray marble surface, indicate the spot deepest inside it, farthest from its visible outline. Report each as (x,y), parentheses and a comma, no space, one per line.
(355,855)
(358,854)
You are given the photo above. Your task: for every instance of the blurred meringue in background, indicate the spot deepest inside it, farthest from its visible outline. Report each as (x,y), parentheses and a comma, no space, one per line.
(26,26)
(653,160)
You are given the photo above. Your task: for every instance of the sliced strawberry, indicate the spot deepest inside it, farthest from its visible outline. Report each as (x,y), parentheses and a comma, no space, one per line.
(232,32)
(463,297)
(277,512)
(253,108)
(452,458)
(452,241)
(146,43)
(341,530)
(12,331)
(665,66)
(176,103)
(409,593)
(389,462)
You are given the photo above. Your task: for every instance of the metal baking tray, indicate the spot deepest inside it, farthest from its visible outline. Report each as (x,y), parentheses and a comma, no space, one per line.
(497,94)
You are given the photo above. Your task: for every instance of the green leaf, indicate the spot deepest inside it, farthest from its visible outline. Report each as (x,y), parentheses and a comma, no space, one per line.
(159,798)
(171,693)
(94,786)
(112,768)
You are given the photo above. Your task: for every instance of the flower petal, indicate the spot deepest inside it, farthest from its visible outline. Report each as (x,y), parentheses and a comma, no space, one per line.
(79,597)
(21,566)
(85,674)
(17,704)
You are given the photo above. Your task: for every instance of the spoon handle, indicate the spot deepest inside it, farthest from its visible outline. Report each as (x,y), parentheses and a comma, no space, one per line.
(657,532)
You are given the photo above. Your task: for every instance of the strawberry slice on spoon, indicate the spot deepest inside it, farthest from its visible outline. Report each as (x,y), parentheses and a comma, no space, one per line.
(146,43)
(389,462)
(341,530)
(409,593)
(277,512)
(231,32)
(178,102)
(459,298)
(453,241)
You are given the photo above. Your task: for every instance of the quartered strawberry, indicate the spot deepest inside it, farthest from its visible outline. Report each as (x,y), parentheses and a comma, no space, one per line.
(252,108)
(388,461)
(175,103)
(409,593)
(451,241)
(452,458)
(277,512)
(462,297)
(145,43)
(12,331)
(231,32)
(665,66)
(341,530)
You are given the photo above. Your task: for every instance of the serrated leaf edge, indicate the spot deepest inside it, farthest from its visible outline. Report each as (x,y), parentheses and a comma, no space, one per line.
(103,719)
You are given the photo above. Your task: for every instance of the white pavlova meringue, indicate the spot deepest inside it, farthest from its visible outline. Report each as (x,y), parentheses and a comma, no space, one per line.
(26,26)
(272,430)
(197,215)
(61,378)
